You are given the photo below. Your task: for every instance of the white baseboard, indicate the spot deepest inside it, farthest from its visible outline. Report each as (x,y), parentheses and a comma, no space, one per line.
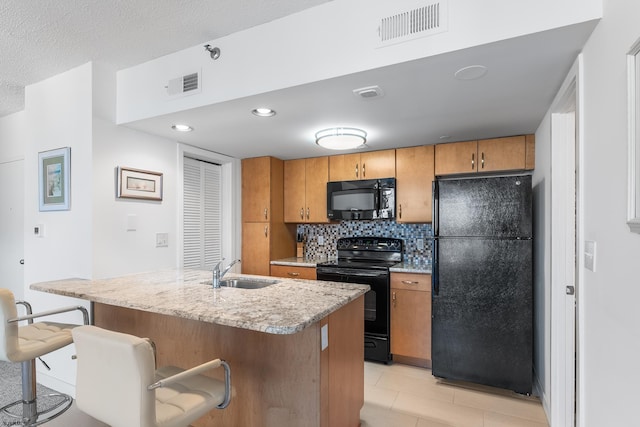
(544,398)
(56,384)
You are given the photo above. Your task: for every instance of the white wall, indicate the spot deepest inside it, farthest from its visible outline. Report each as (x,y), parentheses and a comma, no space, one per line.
(58,114)
(609,301)
(542,264)
(334,39)
(117,251)
(12,136)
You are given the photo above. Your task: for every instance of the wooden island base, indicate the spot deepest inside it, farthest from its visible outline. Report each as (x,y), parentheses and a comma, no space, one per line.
(277,380)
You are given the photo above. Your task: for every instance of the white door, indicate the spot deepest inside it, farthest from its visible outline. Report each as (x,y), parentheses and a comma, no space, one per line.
(12,226)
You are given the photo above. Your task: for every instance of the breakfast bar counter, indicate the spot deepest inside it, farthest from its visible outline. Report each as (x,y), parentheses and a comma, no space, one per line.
(294,347)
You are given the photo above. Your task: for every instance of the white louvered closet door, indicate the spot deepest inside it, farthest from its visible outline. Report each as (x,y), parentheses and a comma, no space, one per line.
(202,214)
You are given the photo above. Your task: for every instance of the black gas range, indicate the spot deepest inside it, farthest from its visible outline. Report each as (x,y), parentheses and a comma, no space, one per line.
(367,260)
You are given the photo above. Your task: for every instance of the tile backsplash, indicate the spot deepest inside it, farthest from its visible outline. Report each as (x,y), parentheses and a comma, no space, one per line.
(330,233)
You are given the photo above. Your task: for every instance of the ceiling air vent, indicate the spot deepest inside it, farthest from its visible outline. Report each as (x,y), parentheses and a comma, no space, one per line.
(409,25)
(185,85)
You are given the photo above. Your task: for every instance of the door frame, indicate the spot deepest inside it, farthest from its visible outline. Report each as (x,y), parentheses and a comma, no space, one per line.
(566,239)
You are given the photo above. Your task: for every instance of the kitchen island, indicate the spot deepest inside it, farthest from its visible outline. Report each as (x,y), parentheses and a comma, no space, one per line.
(295,347)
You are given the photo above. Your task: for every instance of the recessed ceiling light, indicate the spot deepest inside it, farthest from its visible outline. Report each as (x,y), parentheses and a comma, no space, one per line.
(341,138)
(182,128)
(263,112)
(472,72)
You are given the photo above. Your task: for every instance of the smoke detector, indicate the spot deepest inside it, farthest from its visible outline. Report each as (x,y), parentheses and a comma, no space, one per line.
(368,92)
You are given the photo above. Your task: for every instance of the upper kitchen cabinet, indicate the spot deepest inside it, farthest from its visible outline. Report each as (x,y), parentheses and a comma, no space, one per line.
(305,190)
(488,155)
(262,189)
(369,165)
(414,175)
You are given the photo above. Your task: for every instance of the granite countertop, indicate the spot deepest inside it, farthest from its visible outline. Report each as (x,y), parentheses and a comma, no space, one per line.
(286,307)
(404,267)
(299,262)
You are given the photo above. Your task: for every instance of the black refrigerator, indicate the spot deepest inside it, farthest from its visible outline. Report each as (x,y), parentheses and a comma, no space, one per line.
(482,281)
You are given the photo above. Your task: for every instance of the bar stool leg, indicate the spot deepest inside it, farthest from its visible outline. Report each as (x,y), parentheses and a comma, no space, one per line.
(29,404)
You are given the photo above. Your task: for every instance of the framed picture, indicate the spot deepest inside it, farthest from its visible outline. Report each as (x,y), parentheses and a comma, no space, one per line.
(54,173)
(139,184)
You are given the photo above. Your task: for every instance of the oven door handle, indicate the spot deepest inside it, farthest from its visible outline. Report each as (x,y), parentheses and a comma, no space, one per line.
(351,273)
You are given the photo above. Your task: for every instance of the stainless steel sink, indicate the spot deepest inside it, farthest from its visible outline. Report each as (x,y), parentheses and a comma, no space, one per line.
(247,283)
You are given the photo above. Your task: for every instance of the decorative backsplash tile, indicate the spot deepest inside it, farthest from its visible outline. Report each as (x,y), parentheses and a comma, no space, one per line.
(330,233)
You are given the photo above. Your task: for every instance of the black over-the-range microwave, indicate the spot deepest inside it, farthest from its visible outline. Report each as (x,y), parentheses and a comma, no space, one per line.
(363,199)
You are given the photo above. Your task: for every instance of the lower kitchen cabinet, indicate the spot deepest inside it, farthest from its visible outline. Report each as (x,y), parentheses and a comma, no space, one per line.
(292,272)
(411,318)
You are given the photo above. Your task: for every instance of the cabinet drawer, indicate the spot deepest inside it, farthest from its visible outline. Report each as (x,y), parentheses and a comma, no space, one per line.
(291,272)
(411,281)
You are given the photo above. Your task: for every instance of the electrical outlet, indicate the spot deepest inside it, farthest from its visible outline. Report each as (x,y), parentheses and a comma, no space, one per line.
(38,230)
(590,255)
(420,244)
(320,240)
(162,240)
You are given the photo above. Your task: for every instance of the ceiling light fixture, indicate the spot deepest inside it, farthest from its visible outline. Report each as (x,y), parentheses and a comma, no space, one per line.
(182,128)
(214,52)
(341,138)
(263,112)
(472,72)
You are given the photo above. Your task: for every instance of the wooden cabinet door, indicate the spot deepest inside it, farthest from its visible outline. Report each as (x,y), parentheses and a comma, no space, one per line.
(414,177)
(317,175)
(256,248)
(411,323)
(294,190)
(292,272)
(378,164)
(256,189)
(501,154)
(344,167)
(456,157)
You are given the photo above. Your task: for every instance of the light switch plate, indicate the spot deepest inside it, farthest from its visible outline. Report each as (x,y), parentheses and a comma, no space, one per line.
(132,222)
(38,230)
(590,255)
(162,240)
(420,244)
(320,240)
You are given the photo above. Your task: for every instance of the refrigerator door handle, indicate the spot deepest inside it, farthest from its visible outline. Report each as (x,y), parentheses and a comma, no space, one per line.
(435,207)
(435,282)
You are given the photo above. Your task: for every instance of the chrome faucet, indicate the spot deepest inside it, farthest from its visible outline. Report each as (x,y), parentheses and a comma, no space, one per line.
(217,274)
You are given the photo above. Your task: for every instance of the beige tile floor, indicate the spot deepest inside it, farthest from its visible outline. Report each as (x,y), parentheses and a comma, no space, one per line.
(403,396)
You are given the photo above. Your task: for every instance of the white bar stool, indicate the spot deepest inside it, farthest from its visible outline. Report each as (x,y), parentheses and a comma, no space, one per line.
(117,383)
(26,343)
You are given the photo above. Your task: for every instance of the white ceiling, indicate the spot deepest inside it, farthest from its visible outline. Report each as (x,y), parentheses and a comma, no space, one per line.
(42,38)
(422,100)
